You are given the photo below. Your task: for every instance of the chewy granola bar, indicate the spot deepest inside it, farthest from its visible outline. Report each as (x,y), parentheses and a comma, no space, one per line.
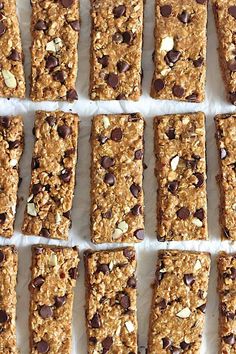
(225,19)
(227,305)
(55,30)
(116,49)
(179,302)
(11,148)
(53,175)
(117,204)
(111,310)
(226,144)
(181,177)
(180,50)
(12,80)
(54,273)
(8,279)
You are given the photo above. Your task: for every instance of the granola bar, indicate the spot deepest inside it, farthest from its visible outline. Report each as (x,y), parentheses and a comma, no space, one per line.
(181,172)
(179,302)
(117,203)
(12,80)
(227,305)
(53,175)
(225,19)
(55,30)
(111,308)
(11,148)
(8,278)
(180,50)
(225,138)
(116,49)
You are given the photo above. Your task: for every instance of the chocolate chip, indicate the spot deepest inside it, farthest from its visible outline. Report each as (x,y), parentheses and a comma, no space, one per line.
(73,273)
(72,95)
(172,57)
(103,268)
(95,321)
(125,301)
(166,342)
(60,301)
(14,55)
(136,210)
(189,279)
(202,2)
(38,250)
(93,340)
(135,189)
(64,131)
(37,282)
(13,144)
(184,17)
(60,76)
(45,312)
(119,11)
(198,62)
(109,179)
(104,61)
(75,25)
(133,117)
(34,163)
(44,232)
(2,28)
(69,152)
(138,155)
(174,350)
(178,91)
(36,188)
(166,10)
(139,234)
(162,304)
(107,215)
(51,62)
(121,96)
(102,139)
(199,214)
(202,308)
(171,133)
(184,345)
(127,37)
(116,134)
(67,214)
(67,3)
(107,162)
(232,65)
(128,253)
(2,256)
(3,316)
(173,187)
(200,178)
(5,122)
(117,37)
(41,25)
(232,11)
(122,66)
(42,346)
(158,85)
(132,283)
(66,175)
(223,153)
(51,121)
(113,80)
(230,339)
(183,213)
(106,344)
(192,98)
(1,5)
(3,217)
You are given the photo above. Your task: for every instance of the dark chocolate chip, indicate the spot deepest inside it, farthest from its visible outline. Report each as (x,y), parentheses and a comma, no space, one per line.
(122,66)
(60,301)
(1,5)
(119,11)
(158,85)
(34,163)
(183,213)
(200,178)
(135,189)
(3,217)
(41,25)
(139,234)
(2,256)
(132,283)
(166,343)
(192,98)
(166,10)
(127,37)
(175,350)
(184,345)
(45,232)
(45,312)
(106,344)
(113,80)
(138,155)
(14,55)
(178,91)
(38,250)
(117,37)
(13,144)
(104,268)
(189,279)
(171,133)
(64,131)
(107,215)
(66,175)
(172,57)
(37,282)
(230,339)
(60,76)
(136,210)
(3,316)
(42,347)
(128,253)
(173,187)
(223,153)
(75,25)
(133,117)
(198,62)
(202,308)
(69,152)
(51,121)
(102,139)
(109,179)
(36,188)
(5,122)
(184,17)
(67,3)
(121,96)
(232,11)
(116,134)
(162,304)
(93,340)
(104,61)
(95,321)
(73,273)
(51,62)
(107,162)
(72,95)
(161,238)
(199,214)
(125,301)
(67,214)
(2,28)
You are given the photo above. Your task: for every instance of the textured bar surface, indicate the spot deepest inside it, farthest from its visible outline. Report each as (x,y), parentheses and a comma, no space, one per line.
(8,278)
(180,50)
(117,204)
(11,148)
(179,302)
(225,19)
(116,49)
(53,175)
(12,80)
(55,30)
(226,144)
(54,273)
(111,310)
(181,173)
(227,305)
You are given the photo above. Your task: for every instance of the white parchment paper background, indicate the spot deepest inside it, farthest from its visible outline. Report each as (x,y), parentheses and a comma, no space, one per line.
(79,235)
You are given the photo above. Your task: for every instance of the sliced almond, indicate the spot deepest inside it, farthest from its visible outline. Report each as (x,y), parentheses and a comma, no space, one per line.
(198,265)
(167,44)
(31,210)
(58,218)
(129,325)
(106,122)
(53,260)
(174,162)
(13,162)
(117,234)
(30,197)
(55,45)
(9,79)
(197,222)
(184,313)
(123,226)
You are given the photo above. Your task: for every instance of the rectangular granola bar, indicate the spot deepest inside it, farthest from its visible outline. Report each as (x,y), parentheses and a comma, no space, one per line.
(117,203)
(226,144)
(180,50)
(11,148)
(225,19)
(179,302)
(181,173)
(8,279)
(12,80)
(111,301)
(53,175)
(55,30)
(54,273)
(116,50)
(227,302)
